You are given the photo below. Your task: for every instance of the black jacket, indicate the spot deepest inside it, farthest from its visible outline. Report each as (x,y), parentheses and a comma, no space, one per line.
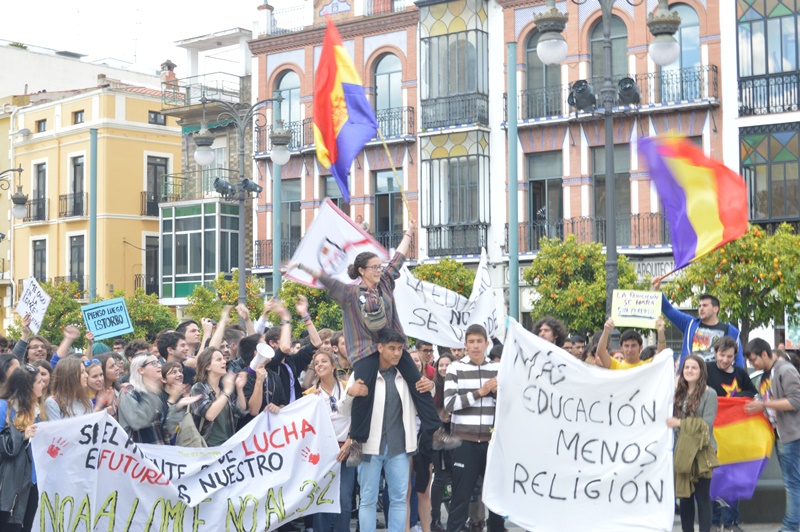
(298,363)
(16,469)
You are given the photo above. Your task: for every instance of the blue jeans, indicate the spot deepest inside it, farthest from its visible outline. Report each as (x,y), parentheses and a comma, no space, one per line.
(789,458)
(330,522)
(395,470)
(724,515)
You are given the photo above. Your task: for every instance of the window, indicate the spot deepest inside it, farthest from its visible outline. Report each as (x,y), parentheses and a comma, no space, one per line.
(388,227)
(37,205)
(331,190)
(681,80)
(290,217)
(229,239)
(767,37)
(455,64)
(151,265)
(289,90)
(41,126)
(156,169)
(76,200)
(388,95)
(619,51)
(545,196)
(77,117)
(76,260)
(770,159)
(40,260)
(622,182)
(542,96)
(458,190)
(156,118)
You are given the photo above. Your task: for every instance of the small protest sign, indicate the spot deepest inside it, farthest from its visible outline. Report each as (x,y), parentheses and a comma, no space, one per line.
(107,318)
(635,308)
(34,301)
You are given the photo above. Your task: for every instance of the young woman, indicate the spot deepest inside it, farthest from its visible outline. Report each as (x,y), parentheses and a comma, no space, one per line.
(442,460)
(333,391)
(366,307)
(142,412)
(221,398)
(95,382)
(8,363)
(693,398)
(172,381)
(19,410)
(70,395)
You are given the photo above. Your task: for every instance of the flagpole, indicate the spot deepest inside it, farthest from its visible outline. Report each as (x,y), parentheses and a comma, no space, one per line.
(394,171)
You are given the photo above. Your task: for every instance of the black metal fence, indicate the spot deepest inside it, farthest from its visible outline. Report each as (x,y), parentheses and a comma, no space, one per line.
(148,282)
(262,256)
(149,203)
(391,239)
(396,121)
(37,210)
(457,239)
(457,110)
(70,205)
(773,93)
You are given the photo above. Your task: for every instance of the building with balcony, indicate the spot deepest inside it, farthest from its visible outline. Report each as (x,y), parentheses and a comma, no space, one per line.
(199,228)
(763,77)
(136,145)
(436,66)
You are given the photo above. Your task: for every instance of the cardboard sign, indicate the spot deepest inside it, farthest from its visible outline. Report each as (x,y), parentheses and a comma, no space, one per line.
(635,308)
(578,447)
(34,301)
(107,318)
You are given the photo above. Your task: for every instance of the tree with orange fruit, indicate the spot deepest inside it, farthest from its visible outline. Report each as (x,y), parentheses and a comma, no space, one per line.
(754,278)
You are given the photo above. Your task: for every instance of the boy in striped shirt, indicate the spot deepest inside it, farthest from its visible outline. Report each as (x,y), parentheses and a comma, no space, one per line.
(470,394)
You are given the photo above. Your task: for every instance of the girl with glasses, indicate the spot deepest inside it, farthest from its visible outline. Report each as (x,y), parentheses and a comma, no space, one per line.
(70,393)
(142,412)
(221,398)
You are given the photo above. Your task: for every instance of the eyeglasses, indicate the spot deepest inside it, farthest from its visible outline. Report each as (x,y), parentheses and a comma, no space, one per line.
(36,346)
(376,268)
(88,363)
(334,406)
(155,363)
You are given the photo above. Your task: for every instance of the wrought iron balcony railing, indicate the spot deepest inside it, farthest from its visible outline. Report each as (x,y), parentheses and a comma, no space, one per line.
(37,210)
(289,20)
(396,122)
(665,87)
(301,130)
(70,205)
(215,86)
(633,230)
(149,203)
(147,282)
(773,93)
(457,239)
(262,256)
(456,110)
(186,186)
(391,239)
(384,7)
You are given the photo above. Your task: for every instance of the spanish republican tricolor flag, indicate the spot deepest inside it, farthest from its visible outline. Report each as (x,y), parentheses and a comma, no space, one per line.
(744,445)
(705,202)
(343,118)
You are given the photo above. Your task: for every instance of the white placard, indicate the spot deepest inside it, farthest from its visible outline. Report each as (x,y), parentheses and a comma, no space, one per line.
(34,301)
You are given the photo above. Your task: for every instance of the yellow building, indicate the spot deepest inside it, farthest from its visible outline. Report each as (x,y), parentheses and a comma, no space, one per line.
(136,146)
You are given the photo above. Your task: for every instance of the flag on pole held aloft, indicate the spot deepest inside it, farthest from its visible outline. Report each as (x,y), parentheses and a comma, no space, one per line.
(705,202)
(744,445)
(343,118)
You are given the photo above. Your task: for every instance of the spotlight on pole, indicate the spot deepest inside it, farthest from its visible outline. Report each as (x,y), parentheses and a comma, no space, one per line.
(223,187)
(250,186)
(581,97)
(628,92)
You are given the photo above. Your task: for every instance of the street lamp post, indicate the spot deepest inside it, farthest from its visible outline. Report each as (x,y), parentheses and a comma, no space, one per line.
(18,198)
(664,49)
(241,116)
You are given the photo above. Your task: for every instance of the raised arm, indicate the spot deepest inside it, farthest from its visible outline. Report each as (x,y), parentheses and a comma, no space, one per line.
(405,243)
(602,345)
(219,333)
(71,333)
(301,305)
(285,340)
(678,318)
(660,334)
(244,315)
(21,347)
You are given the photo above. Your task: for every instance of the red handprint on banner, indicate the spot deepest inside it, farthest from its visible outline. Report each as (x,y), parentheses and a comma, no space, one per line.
(55,448)
(312,458)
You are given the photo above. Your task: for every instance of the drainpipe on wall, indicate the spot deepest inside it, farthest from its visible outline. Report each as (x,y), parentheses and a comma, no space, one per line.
(92,214)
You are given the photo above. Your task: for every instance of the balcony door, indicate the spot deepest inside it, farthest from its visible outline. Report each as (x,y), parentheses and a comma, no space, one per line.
(77,254)
(542,95)
(389,95)
(388,210)
(545,197)
(683,79)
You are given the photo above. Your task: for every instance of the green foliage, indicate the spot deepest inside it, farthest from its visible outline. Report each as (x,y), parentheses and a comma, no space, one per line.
(570,278)
(448,273)
(207,301)
(18,45)
(148,316)
(64,309)
(325,312)
(753,277)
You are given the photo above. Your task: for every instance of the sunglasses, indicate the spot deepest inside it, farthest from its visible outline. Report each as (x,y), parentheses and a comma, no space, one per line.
(88,363)
(334,407)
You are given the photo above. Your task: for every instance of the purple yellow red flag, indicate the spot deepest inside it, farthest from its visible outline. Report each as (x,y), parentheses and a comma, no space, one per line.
(343,118)
(705,202)
(744,446)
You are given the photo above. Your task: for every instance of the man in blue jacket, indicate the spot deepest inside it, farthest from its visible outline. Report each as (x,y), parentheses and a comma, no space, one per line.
(699,333)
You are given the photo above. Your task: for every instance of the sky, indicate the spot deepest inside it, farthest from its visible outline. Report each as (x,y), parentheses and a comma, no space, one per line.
(141,32)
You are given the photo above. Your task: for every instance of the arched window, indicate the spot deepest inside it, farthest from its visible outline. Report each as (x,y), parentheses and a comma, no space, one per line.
(542,96)
(682,80)
(619,51)
(289,90)
(388,95)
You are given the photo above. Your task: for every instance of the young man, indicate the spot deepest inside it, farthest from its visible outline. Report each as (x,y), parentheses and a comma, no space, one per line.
(263,387)
(173,348)
(425,351)
(458,352)
(343,368)
(191,332)
(699,333)
(782,399)
(577,344)
(631,344)
(470,394)
(728,381)
(392,435)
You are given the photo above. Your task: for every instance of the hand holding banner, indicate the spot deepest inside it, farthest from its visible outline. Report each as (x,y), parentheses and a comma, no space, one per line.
(33,301)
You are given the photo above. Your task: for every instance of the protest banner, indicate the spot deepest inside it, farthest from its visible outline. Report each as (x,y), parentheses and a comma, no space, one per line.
(578,447)
(793,327)
(278,467)
(107,318)
(331,244)
(34,301)
(635,308)
(435,314)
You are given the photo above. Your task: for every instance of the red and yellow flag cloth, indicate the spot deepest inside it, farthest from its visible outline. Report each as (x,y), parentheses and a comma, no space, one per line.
(343,118)
(744,445)
(705,202)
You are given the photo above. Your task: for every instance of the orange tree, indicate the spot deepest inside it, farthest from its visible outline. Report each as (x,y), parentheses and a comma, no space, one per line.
(148,316)
(207,300)
(754,278)
(570,280)
(448,273)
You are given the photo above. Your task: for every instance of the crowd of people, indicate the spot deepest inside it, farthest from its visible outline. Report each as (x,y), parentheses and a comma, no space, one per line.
(413,423)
